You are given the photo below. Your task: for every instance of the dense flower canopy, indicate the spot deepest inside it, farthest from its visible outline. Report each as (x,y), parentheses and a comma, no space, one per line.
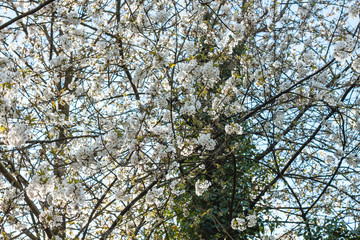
(120,118)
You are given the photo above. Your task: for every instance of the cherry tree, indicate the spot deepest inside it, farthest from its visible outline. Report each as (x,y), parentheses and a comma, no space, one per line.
(159,119)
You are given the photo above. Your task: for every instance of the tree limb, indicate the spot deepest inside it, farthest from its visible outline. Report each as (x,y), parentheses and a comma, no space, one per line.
(26,14)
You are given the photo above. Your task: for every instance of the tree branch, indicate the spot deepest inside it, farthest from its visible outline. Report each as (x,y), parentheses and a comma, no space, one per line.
(126,209)
(26,14)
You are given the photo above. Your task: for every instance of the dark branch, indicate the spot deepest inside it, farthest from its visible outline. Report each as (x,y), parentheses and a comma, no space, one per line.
(26,14)
(126,209)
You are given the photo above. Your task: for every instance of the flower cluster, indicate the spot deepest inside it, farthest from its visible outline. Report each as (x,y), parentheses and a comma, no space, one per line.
(210,73)
(353,160)
(354,10)
(233,128)
(190,106)
(201,187)
(42,183)
(153,196)
(161,16)
(356,65)
(18,135)
(46,187)
(51,217)
(238,224)
(190,48)
(344,48)
(242,223)
(205,140)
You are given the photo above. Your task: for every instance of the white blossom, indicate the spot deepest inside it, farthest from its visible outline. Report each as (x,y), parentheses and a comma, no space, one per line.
(233,128)
(18,135)
(201,187)
(238,224)
(205,140)
(251,220)
(354,10)
(356,65)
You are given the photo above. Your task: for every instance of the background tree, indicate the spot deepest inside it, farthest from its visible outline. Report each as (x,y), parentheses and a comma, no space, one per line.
(124,119)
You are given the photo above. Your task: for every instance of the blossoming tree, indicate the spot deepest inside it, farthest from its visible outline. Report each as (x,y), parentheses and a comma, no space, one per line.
(119,118)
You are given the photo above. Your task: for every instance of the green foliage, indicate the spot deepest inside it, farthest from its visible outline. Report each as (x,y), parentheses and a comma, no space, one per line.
(209,216)
(333,229)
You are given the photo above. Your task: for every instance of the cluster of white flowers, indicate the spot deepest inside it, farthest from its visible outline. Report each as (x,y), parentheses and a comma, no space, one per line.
(49,217)
(68,194)
(190,106)
(217,104)
(188,109)
(251,220)
(175,189)
(190,48)
(71,18)
(238,224)
(58,61)
(355,121)
(47,94)
(211,73)
(9,198)
(5,75)
(242,223)
(112,139)
(6,103)
(356,65)
(152,197)
(230,86)
(46,187)
(308,57)
(354,10)
(353,160)
(344,48)
(161,16)
(161,130)
(205,140)
(201,187)
(65,42)
(160,102)
(160,59)
(233,128)
(41,184)
(18,135)
(330,160)
(304,10)
(83,152)
(279,119)
(239,28)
